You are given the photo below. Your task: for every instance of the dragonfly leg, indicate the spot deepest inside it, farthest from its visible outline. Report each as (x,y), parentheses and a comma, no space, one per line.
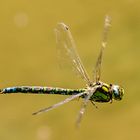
(94,104)
(111,101)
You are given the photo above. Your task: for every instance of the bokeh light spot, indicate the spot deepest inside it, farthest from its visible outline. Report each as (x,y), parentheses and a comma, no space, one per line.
(21,20)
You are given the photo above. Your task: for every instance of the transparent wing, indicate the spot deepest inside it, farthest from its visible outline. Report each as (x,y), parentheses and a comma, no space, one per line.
(66,42)
(97,71)
(59,104)
(82,110)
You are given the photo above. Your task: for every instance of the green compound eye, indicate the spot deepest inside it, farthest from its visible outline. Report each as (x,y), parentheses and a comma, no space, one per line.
(117,92)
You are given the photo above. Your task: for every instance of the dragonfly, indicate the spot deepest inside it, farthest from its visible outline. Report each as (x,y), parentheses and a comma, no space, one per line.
(95,90)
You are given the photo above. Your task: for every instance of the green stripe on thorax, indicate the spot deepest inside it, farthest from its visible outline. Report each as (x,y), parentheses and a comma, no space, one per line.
(102,94)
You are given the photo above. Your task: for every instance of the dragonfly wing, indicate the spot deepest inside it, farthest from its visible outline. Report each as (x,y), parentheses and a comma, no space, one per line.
(58,104)
(66,42)
(97,71)
(82,110)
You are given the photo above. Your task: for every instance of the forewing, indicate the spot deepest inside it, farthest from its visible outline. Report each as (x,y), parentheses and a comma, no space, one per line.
(66,42)
(97,71)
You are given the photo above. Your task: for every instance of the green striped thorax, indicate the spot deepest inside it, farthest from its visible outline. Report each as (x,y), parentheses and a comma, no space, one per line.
(107,93)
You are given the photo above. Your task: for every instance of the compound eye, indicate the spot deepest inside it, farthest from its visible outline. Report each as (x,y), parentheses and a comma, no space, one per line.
(116,93)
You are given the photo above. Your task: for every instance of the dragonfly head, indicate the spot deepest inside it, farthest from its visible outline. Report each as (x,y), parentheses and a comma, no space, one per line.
(117,92)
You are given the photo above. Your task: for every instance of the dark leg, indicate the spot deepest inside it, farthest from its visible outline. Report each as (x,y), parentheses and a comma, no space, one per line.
(94,104)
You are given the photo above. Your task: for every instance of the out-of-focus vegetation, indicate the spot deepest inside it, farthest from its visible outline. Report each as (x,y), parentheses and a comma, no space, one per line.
(28,57)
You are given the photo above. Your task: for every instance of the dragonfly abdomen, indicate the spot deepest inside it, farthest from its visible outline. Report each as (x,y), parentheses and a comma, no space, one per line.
(41,90)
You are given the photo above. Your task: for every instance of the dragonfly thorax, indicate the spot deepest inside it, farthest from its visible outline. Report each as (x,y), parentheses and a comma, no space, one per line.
(102,92)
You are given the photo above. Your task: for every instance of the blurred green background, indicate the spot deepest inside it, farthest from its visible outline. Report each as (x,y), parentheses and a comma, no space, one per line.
(28,57)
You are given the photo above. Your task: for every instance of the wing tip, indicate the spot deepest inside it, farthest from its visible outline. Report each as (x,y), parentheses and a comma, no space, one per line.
(63,25)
